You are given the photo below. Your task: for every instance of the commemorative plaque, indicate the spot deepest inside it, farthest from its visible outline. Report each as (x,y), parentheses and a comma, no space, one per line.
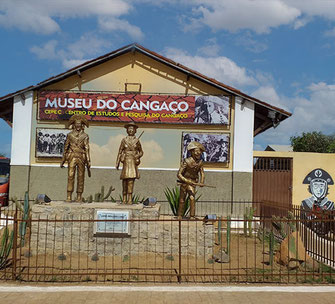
(112,223)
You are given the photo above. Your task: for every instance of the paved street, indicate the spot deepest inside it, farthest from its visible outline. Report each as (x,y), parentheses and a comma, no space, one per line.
(129,294)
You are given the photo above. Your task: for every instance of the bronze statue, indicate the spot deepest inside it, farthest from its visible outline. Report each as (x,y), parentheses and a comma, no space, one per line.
(188,177)
(77,155)
(129,155)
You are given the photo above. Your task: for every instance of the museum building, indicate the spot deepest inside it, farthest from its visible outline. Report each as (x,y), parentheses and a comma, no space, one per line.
(171,104)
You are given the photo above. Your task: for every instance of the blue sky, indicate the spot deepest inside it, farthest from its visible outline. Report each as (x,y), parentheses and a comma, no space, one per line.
(281,51)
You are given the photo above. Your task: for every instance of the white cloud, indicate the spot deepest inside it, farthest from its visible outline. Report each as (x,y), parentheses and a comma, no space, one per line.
(106,155)
(322,8)
(260,16)
(47,51)
(26,17)
(269,95)
(115,24)
(265,78)
(315,113)
(71,63)
(74,53)
(251,44)
(330,33)
(221,68)
(88,44)
(41,16)
(301,22)
(233,15)
(210,48)
(257,15)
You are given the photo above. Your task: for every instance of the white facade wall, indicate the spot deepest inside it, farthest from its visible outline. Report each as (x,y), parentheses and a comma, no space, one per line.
(243,136)
(21,132)
(243,132)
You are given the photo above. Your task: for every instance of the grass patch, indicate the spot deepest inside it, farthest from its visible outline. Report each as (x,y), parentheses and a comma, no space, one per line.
(170,257)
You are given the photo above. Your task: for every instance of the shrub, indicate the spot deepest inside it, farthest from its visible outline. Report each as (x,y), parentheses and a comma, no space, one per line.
(172,195)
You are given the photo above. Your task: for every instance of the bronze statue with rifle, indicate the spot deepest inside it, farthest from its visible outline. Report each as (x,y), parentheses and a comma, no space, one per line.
(130,153)
(77,155)
(191,169)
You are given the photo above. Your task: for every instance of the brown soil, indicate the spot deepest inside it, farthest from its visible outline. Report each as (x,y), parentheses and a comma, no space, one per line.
(249,262)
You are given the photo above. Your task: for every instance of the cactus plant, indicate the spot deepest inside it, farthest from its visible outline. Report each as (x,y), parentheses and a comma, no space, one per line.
(109,192)
(25,210)
(247,223)
(100,196)
(25,216)
(97,197)
(5,247)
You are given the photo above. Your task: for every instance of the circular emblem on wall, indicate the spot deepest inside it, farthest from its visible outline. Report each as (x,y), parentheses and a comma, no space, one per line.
(318,173)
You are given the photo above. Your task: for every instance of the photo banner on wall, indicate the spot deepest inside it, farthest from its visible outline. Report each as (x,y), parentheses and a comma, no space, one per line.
(216,146)
(61,105)
(50,142)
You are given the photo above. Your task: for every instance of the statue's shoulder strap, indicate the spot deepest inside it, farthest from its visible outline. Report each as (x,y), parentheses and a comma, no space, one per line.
(83,136)
(188,161)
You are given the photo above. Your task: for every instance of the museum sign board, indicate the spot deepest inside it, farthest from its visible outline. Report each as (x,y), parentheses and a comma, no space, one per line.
(176,109)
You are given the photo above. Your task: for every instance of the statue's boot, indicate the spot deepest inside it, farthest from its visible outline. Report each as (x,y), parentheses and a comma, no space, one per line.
(79,197)
(192,209)
(124,198)
(130,199)
(69,197)
(180,209)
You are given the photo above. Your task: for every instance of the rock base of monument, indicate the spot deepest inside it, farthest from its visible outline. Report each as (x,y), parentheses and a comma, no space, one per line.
(85,211)
(109,229)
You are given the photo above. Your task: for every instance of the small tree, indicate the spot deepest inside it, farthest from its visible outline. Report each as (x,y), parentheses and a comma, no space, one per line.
(313,142)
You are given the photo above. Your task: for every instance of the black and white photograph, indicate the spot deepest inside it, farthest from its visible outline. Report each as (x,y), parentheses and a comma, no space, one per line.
(216,145)
(50,142)
(212,110)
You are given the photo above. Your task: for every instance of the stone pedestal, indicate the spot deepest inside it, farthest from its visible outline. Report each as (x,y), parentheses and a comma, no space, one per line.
(69,228)
(76,211)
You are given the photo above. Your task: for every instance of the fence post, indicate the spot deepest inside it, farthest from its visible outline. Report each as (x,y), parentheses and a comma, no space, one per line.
(228,234)
(14,253)
(245,225)
(179,250)
(271,247)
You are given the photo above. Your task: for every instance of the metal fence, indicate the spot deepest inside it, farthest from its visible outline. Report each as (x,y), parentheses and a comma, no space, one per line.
(165,249)
(219,208)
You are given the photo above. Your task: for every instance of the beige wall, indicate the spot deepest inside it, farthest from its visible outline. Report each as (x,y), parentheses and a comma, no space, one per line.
(155,78)
(304,163)
(52,181)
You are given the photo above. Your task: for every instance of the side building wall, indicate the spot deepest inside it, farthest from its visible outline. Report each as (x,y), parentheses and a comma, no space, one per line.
(303,164)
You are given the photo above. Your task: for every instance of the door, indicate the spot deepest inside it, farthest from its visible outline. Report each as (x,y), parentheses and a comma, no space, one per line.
(272,185)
